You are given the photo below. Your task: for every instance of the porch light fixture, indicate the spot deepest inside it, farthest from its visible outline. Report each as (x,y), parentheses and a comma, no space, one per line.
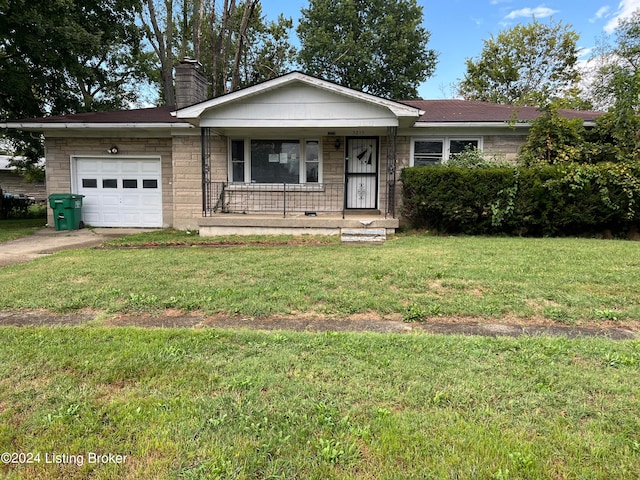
(337,144)
(113,150)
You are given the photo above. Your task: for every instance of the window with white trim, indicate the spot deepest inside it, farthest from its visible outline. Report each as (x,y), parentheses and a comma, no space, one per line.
(275,161)
(435,150)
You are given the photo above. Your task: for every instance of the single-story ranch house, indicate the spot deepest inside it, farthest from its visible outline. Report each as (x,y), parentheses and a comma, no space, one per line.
(295,152)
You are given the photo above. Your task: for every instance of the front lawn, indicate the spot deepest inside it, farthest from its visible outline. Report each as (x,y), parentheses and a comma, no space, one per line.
(410,277)
(13,229)
(215,404)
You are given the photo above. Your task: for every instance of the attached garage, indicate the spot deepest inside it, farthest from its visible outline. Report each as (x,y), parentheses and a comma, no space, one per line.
(119,192)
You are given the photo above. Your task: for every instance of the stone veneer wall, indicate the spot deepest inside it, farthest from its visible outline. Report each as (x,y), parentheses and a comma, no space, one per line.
(59,152)
(187,183)
(333,159)
(182,166)
(503,147)
(403,154)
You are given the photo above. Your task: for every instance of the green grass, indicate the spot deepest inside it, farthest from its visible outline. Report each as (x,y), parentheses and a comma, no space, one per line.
(410,277)
(181,238)
(219,404)
(13,229)
(208,404)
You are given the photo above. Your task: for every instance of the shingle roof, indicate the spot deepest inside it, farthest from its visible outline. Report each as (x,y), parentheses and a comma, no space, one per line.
(470,111)
(453,111)
(142,115)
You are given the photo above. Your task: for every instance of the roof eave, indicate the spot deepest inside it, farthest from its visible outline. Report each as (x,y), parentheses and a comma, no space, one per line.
(509,124)
(471,124)
(43,126)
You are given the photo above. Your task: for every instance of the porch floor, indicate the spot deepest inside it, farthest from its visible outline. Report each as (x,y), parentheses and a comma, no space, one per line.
(293,224)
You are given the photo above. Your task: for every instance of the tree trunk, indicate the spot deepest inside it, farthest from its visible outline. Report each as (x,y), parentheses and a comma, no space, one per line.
(249,8)
(198,15)
(162,44)
(221,46)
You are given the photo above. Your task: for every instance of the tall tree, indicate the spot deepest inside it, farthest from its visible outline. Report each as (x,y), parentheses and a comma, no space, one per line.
(532,64)
(158,22)
(377,46)
(59,57)
(616,87)
(618,58)
(234,43)
(272,53)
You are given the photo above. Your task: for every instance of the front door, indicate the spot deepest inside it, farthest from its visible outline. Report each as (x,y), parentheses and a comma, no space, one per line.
(361,170)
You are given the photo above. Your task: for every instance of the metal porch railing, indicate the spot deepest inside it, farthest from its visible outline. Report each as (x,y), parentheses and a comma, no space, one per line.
(281,198)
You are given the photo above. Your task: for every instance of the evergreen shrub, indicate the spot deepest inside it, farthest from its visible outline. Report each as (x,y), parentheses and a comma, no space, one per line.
(549,200)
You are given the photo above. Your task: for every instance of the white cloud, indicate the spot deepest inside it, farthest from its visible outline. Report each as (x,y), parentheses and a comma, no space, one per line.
(585,52)
(625,9)
(601,13)
(538,12)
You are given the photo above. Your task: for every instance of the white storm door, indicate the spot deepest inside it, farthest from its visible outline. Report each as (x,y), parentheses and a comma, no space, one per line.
(361,170)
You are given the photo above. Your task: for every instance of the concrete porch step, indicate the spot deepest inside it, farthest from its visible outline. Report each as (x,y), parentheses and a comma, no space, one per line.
(363,235)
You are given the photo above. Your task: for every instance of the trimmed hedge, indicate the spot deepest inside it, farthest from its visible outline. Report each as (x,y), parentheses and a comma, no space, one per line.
(554,200)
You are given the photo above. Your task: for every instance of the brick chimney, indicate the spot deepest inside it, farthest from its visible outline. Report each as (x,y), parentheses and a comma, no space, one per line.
(191,84)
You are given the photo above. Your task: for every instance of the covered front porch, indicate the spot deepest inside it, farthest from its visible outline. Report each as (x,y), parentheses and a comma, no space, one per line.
(353,195)
(299,155)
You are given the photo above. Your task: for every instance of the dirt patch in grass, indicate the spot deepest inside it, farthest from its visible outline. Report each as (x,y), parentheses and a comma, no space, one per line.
(302,322)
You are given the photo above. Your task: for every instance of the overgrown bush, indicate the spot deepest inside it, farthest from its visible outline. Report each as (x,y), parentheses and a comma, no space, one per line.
(551,200)
(470,157)
(12,207)
(18,208)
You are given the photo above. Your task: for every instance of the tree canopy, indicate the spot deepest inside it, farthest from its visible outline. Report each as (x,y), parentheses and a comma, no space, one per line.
(59,57)
(233,42)
(376,46)
(616,87)
(532,64)
(62,57)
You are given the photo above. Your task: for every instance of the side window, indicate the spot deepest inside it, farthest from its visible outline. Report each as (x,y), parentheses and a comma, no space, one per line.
(458,146)
(427,152)
(312,161)
(237,160)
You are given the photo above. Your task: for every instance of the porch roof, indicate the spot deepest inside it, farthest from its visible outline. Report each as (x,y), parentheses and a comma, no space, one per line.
(298,100)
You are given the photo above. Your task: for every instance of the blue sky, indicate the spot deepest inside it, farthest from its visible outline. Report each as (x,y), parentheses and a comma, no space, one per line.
(458,27)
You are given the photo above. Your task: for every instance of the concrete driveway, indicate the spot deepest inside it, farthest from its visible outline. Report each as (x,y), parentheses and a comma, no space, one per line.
(48,241)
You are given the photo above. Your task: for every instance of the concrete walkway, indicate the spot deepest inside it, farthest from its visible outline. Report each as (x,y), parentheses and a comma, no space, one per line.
(48,240)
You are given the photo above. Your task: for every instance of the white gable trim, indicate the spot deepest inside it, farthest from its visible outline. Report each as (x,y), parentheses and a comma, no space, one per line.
(195,111)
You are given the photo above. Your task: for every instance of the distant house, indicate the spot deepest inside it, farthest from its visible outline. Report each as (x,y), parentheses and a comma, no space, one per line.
(292,154)
(12,182)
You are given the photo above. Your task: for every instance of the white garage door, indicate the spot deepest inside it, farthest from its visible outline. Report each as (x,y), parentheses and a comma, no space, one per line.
(120,192)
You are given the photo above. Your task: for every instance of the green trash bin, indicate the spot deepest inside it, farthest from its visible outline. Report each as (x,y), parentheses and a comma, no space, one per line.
(67,210)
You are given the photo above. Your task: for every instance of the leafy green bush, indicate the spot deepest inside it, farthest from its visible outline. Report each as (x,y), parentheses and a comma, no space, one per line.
(470,157)
(12,207)
(551,200)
